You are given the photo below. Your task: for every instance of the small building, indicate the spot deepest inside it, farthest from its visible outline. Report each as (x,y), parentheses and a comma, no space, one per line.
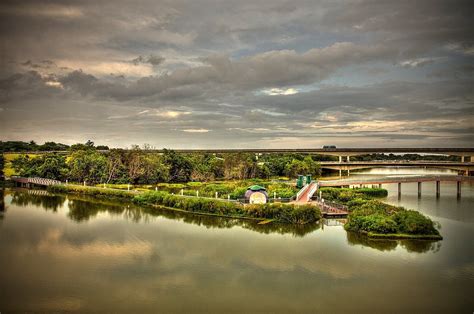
(256,194)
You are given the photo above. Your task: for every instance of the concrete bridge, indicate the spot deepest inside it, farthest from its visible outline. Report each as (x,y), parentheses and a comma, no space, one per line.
(399,181)
(347,165)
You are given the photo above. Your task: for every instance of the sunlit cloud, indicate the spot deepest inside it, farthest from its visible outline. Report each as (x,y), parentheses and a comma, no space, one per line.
(54,84)
(171,114)
(280,91)
(196,130)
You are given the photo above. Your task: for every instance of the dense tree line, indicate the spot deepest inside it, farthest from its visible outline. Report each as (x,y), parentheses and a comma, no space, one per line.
(142,166)
(32,146)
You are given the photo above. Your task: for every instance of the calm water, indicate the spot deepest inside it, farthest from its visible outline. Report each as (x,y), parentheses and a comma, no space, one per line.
(71,253)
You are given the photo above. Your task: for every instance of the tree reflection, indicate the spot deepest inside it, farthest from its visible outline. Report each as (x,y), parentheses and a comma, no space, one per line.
(2,204)
(84,208)
(38,198)
(412,246)
(226,223)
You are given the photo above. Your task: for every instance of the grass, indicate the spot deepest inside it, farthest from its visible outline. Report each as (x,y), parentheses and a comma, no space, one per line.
(234,189)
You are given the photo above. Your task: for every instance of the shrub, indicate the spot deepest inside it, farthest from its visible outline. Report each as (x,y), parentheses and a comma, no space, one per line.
(412,222)
(287,213)
(377,223)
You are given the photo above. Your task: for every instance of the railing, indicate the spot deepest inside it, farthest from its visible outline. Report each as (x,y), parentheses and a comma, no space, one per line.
(331,206)
(300,192)
(311,192)
(35,180)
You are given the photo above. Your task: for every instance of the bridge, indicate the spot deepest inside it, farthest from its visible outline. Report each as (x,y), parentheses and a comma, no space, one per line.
(464,167)
(399,181)
(28,182)
(328,209)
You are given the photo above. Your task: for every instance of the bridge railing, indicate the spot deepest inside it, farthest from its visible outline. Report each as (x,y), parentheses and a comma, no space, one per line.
(330,206)
(301,192)
(311,192)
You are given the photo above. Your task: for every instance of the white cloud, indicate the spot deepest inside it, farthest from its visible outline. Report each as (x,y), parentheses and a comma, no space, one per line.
(54,84)
(196,130)
(172,114)
(280,91)
(413,63)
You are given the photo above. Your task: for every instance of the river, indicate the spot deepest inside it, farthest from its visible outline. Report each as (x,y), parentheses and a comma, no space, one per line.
(61,253)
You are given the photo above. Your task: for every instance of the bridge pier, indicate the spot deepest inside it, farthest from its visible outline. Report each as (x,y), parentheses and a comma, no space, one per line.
(419,189)
(399,189)
(458,189)
(348,158)
(340,159)
(438,189)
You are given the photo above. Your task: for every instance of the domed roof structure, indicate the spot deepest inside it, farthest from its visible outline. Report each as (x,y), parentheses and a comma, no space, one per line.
(256,194)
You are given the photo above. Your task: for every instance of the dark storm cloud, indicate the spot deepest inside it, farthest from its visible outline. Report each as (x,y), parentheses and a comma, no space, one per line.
(275,73)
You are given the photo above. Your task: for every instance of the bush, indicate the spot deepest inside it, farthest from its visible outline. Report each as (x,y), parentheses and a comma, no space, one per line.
(412,222)
(372,216)
(345,195)
(287,213)
(377,223)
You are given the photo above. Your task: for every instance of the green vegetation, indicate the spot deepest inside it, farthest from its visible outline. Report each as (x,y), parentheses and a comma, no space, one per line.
(93,191)
(376,219)
(278,212)
(143,166)
(19,146)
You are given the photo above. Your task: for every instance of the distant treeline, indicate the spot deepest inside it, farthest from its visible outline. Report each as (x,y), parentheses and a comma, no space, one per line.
(142,166)
(19,146)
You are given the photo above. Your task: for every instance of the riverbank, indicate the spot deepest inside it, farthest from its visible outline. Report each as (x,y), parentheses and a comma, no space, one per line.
(375,219)
(278,212)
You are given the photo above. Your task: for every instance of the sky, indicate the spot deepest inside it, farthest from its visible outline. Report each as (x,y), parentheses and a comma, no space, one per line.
(238,74)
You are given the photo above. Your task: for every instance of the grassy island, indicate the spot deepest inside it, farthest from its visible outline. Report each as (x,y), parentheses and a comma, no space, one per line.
(278,212)
(369,216)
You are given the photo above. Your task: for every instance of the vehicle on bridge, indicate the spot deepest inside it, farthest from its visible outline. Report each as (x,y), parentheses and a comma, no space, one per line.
(329,147)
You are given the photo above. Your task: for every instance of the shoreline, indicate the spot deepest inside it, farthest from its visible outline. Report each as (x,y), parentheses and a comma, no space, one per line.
(131,196)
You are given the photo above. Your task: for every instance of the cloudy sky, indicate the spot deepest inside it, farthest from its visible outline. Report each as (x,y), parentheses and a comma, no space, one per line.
(201,74)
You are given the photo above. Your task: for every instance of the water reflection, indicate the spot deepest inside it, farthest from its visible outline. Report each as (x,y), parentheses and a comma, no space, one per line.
(82,209)
(39,198)
(101,255)
(418,246)
(2,204)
